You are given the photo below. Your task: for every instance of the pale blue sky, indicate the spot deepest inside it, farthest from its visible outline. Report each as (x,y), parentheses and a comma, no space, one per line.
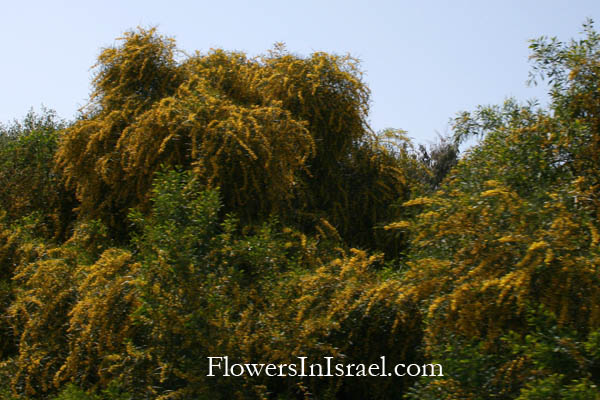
(424,60)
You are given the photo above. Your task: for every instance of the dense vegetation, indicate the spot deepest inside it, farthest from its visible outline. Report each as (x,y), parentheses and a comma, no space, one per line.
(217,204)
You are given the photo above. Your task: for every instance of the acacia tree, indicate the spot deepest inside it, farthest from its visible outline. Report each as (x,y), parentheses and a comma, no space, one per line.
(285,138)
(504,256)
(278,134)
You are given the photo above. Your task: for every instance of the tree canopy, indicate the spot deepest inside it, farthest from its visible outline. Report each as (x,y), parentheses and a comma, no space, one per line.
(277,134)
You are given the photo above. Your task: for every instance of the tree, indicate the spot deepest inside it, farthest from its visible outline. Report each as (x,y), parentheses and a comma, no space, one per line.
(30,183)
(504,256)
(277,134)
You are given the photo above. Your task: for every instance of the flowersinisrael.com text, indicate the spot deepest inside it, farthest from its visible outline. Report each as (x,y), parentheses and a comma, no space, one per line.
(221,366)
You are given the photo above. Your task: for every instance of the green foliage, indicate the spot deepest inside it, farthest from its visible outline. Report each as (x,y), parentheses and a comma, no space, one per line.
(554,388)
(27,176)
(548,360)
(180,287)
(73,392)
(438,160)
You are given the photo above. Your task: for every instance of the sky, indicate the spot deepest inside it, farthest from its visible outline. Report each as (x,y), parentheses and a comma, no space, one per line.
(424,61)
